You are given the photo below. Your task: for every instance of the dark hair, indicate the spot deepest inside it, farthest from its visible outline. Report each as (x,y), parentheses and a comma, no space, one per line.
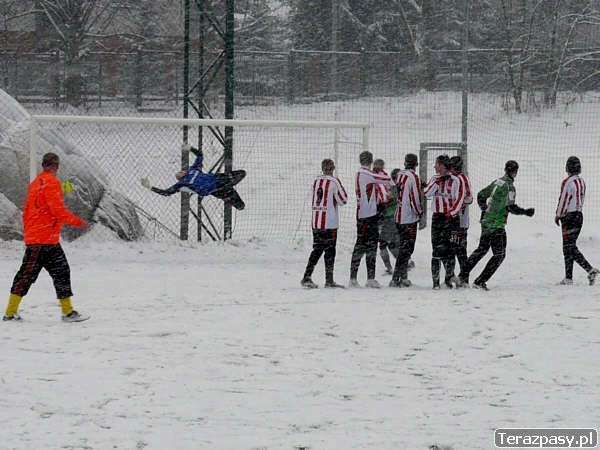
(394,174)
(511,166)
(573,165)
(378,164)
(410,161)
(327,166)
(365,158)
(50,159)
(444,160)
(456,163)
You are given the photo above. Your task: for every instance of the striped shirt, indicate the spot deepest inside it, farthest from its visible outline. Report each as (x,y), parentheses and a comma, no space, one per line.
(464,212)
(447,194)
(328,193)
(366,195)
(383,191)
(409,207)
(572,195)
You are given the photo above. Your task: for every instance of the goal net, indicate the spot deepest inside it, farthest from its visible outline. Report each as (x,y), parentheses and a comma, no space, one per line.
(281,159)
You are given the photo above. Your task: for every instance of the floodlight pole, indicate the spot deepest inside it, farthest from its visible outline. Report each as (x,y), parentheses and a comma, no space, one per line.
(207,74)
(465,87)
(229,86)
(185,197)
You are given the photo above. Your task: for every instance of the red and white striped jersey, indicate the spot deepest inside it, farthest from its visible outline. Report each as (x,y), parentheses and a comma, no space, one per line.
(383,191)
(328,193)
(464,212)
(572,195)
(409,207)
(447,194)
(366,195)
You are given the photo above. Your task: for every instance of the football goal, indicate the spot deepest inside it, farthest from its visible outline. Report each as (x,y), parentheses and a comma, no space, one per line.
(281,159)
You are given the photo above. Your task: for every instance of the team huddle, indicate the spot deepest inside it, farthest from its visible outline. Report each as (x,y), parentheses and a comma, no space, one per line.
(389,208)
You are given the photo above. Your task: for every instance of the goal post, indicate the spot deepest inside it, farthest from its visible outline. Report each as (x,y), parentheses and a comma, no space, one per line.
(281,158)
(428,151)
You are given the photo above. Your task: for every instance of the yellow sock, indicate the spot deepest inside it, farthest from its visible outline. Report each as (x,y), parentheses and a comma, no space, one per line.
(65,304)
(13,304)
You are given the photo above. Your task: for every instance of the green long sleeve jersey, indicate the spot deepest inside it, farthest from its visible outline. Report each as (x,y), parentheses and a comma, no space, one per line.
(497,196)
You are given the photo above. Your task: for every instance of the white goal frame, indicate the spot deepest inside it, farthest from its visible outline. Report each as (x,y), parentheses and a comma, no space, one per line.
(337,126)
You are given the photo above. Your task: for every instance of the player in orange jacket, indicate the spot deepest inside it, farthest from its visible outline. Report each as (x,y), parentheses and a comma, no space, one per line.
(43,217)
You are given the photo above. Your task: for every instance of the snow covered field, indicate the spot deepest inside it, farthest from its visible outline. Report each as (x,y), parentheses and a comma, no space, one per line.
(216,346)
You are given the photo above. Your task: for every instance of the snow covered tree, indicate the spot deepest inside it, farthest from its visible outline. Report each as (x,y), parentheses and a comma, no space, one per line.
(76,24)
(259,25)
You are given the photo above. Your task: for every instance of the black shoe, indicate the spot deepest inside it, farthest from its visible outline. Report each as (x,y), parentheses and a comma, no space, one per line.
(448,283)
(333,284)
(461,282)
(403,282)
(480,285)
(308,283)
(592,274)
(237,203)
(436,286)
(14,317)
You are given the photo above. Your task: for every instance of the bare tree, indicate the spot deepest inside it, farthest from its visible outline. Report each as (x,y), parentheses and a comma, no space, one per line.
(565,24)
(11,12)
(77,24)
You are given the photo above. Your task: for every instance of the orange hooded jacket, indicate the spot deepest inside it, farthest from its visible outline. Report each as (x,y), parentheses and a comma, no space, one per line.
(45,212)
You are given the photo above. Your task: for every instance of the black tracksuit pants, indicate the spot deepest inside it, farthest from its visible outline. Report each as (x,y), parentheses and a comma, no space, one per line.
(571,227)
(225,188)
(42,256)
(443,232)
(461,247)
(407,235)
(367,235)
(324,241)
(494,238)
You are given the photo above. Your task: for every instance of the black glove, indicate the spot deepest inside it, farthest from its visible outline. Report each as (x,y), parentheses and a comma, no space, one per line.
(481,218)
(530,212)
(557,221)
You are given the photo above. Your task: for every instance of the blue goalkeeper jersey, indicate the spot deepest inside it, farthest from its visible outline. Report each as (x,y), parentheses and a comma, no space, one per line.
(197,181)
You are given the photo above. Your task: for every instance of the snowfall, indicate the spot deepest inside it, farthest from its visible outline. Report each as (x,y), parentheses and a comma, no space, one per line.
(215,345)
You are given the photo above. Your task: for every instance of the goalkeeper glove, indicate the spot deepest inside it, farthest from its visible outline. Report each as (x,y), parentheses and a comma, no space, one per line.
(529,212)
(66,187)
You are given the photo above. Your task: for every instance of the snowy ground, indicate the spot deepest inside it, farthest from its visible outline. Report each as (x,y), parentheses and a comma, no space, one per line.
(217,347)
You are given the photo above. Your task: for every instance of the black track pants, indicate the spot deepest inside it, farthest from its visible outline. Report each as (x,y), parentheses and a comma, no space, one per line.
(38,257)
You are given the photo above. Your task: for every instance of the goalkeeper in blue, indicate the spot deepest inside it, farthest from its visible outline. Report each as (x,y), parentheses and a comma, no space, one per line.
(194,181)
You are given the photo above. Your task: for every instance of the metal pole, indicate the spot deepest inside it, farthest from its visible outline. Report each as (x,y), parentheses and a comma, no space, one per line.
(185,198)
(335,43)
(33,143)
(200,87)
(465,87)
(423,176)
(229,86)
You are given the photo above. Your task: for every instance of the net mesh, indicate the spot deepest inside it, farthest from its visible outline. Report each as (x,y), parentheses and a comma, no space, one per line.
(280,162)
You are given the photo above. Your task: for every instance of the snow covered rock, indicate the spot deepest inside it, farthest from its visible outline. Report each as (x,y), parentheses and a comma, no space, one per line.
(91,199)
